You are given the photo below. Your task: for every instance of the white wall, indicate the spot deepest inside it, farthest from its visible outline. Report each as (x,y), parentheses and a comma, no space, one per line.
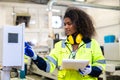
(106,21)
(38,28)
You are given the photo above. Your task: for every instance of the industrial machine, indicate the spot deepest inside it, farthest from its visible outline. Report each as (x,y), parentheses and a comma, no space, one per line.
(112,51)
(112,55)
(11,49)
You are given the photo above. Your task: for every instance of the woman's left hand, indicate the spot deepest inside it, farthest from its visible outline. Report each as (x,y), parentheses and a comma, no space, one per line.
(87,70)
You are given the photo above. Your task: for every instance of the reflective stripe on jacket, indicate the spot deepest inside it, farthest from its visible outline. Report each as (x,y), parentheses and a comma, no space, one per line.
(90,51)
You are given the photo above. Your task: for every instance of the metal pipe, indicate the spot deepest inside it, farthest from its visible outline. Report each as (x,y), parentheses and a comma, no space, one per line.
(51,31)
(99,6)
(50,4)
(83,4)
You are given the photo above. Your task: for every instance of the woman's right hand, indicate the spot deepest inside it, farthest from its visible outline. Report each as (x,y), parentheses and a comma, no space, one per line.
(29,51)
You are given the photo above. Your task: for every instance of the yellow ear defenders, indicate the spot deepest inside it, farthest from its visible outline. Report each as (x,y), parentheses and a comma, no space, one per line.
(77,39)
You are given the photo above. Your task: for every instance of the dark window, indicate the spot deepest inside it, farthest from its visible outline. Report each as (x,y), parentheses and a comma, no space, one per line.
(23,19)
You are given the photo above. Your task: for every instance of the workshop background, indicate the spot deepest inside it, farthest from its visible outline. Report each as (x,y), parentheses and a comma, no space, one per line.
(43,27)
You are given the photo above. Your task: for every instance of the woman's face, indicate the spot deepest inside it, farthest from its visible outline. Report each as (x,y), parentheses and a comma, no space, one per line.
(69,26)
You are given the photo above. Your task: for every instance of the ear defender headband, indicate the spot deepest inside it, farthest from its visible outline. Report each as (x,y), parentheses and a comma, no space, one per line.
(75,39)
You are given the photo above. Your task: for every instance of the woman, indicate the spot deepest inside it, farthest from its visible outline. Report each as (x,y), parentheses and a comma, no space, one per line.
(79,44)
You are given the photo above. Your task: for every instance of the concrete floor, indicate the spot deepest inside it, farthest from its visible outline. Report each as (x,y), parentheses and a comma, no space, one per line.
(32,77)
(37,77)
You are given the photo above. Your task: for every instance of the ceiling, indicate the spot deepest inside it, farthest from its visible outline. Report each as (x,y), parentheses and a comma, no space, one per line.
(45,1)
(86,3)
(28,1)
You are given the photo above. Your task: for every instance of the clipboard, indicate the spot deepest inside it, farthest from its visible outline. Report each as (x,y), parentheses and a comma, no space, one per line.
(74,64)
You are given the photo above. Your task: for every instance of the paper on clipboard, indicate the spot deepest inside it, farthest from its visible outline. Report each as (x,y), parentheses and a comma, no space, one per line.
(74,64)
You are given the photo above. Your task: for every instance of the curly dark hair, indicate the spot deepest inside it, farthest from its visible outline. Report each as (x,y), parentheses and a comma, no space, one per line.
(81,20)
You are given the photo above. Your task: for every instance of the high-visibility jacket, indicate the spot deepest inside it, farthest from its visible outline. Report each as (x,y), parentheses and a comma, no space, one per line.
(26,59)
(86,51)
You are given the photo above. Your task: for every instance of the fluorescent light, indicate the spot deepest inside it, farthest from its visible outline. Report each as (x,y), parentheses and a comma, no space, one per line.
(80,0)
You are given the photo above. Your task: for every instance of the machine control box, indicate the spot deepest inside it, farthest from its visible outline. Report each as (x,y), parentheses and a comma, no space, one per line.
(12,46)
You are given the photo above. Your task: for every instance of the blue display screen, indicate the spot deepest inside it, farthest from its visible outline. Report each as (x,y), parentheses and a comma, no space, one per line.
(12,37)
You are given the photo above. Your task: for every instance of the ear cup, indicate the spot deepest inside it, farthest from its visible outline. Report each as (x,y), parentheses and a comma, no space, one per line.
(70,39)
(78,38)
(73,40)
